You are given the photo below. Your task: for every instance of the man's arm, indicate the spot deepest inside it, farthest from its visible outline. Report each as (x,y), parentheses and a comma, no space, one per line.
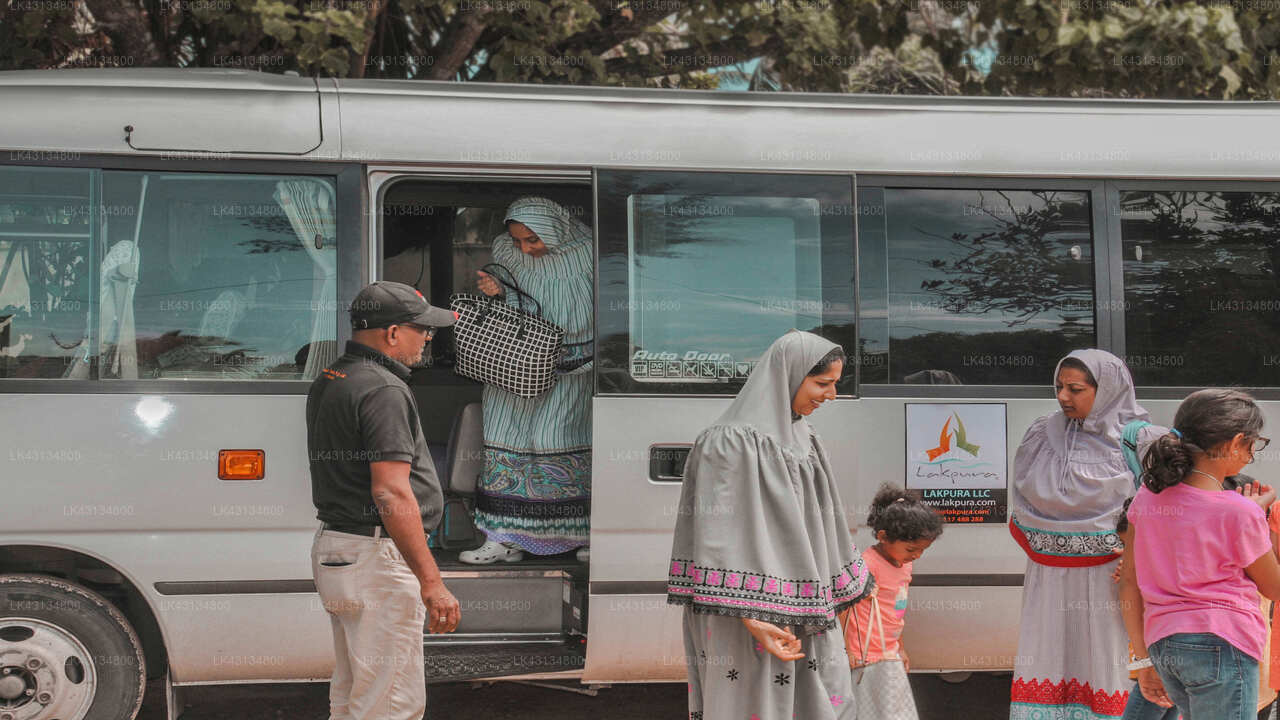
(402,518)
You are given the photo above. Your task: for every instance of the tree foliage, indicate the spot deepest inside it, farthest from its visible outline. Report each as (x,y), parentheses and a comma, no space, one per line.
(1133,48)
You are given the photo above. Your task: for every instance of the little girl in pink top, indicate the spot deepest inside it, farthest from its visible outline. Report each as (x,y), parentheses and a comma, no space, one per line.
(1200,557)
(905,527)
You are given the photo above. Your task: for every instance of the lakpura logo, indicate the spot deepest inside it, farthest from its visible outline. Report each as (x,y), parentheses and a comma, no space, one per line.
(944,439)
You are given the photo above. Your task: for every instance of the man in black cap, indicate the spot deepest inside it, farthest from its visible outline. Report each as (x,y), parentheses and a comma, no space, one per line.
(377,498)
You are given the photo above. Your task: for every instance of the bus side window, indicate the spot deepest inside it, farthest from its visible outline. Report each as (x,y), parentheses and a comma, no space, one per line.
(47,255)
(973,286)
(231,277)
(1201,274)
(700,272)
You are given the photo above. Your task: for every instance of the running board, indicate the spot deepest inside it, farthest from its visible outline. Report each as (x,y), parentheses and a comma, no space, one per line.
(451,663)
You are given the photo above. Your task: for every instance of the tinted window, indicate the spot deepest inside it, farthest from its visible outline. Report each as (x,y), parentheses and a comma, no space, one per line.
(137,275)
(46,252)
(700,272)
(973,286)
(218,276)
(1202,293)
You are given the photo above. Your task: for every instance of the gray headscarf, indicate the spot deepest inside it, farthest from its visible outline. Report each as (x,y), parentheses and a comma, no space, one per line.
(761,531)
(1070,478)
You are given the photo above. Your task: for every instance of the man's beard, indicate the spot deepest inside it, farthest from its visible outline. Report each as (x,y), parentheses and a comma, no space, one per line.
(424,360)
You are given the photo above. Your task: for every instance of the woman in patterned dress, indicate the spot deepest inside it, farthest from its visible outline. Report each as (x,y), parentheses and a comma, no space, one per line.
(534,493)
(1070,483)
(762,558)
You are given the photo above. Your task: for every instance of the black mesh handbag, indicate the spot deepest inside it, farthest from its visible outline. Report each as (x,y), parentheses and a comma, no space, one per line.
(507,347)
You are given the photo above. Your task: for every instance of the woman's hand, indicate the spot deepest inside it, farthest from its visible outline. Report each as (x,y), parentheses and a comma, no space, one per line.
(1264,495)
(487,284)
(779,642)
(1152,688)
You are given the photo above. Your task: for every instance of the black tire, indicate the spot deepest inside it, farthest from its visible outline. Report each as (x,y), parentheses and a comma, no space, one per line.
(113,646)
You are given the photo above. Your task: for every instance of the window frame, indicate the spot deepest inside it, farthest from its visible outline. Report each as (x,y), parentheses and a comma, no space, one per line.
(595,232)
(1106,282)
(348,185)
(1116,257)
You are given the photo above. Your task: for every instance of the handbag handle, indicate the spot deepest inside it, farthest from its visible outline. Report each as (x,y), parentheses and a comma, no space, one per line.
(513,285)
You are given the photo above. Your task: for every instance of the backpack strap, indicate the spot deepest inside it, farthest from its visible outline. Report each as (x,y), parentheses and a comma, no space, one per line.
(1129,447)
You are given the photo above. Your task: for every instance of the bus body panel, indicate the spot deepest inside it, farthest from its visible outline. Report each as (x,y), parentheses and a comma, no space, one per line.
(156,510)
(176,114)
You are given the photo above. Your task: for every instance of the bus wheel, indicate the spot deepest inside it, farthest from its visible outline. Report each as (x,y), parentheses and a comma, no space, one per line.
(65,653)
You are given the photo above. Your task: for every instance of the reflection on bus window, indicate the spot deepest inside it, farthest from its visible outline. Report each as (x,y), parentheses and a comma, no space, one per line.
(198,276)
(712,278)
(1201,290)
(986,285)
(700,272)
(218,277)
(46,252)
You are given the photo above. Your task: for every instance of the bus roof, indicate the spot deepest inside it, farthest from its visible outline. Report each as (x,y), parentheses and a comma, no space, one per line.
(247,113)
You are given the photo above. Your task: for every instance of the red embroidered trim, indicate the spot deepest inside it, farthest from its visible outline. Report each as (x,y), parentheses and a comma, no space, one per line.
(1069,692)
(1057,560)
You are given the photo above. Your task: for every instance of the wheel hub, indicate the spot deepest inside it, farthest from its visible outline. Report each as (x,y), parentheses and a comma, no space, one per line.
(13,685)
(49,674)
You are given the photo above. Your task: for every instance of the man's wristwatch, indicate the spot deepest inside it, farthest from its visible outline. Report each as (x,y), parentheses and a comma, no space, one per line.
(1140,663)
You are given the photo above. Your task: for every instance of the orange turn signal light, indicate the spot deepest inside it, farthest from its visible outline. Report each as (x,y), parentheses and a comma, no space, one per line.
(242,464)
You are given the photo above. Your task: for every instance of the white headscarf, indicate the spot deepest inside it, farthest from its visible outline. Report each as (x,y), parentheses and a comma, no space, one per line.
(1070,476)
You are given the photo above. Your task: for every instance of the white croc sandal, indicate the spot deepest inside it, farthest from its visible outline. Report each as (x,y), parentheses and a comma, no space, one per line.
(491,552)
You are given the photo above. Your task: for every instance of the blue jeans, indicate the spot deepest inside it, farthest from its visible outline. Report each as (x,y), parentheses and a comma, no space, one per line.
(1140,708)
(1207,677)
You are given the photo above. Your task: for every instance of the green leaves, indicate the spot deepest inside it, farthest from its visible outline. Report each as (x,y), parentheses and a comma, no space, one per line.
(1120,48)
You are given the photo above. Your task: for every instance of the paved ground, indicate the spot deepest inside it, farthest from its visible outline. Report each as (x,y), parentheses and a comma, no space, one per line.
(983,697)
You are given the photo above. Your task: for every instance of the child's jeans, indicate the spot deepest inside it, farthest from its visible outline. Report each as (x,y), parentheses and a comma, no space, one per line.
(1140,708)
(1207,677)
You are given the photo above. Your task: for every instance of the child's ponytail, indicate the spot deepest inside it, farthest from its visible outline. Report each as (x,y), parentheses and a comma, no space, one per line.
(1205,419)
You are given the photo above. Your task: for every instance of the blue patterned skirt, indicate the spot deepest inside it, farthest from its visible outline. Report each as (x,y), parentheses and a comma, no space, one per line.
(541,502)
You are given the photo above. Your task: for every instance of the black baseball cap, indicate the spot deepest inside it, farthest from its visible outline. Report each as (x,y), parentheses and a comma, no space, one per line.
(387,303)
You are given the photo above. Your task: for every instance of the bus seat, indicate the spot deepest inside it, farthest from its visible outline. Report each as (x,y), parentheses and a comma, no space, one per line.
(466,450)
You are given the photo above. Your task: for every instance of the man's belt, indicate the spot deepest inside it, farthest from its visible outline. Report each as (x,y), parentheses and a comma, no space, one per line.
(366,530)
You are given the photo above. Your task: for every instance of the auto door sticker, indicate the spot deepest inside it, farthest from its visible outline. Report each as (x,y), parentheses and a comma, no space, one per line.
(690,366)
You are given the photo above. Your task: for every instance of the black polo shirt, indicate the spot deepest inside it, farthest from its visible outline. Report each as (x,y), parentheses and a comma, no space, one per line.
(360,410)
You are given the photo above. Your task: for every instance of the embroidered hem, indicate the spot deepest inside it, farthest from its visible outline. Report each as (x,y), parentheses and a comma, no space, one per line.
(1065,698)
(809,624)
(804,597)
(1033,544)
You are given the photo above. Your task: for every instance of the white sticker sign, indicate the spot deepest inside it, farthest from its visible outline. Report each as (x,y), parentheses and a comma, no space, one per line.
(957,457)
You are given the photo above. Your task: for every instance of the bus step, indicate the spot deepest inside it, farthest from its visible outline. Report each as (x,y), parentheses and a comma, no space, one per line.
(451,663)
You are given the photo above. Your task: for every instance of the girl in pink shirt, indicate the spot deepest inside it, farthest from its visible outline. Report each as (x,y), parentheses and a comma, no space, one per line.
(1199,557)
(905,527)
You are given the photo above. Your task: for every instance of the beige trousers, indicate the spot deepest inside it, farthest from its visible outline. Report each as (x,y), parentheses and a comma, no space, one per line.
(375,605)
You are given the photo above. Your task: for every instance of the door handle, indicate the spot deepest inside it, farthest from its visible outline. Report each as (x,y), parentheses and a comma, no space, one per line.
(666,462)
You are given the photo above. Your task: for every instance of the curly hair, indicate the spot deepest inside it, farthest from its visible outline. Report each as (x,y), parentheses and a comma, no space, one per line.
(902,515)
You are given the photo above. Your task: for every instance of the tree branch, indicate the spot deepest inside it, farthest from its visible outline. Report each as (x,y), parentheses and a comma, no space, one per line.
(126,24)
(457,41)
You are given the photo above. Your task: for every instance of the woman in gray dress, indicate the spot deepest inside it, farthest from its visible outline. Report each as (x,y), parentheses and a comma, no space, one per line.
(762,558)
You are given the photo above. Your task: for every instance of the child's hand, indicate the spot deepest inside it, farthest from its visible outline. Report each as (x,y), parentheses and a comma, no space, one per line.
(1152,688)
(1264,495)
(1115,574)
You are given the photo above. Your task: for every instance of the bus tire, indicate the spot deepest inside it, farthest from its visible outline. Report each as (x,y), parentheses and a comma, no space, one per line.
(66,653)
